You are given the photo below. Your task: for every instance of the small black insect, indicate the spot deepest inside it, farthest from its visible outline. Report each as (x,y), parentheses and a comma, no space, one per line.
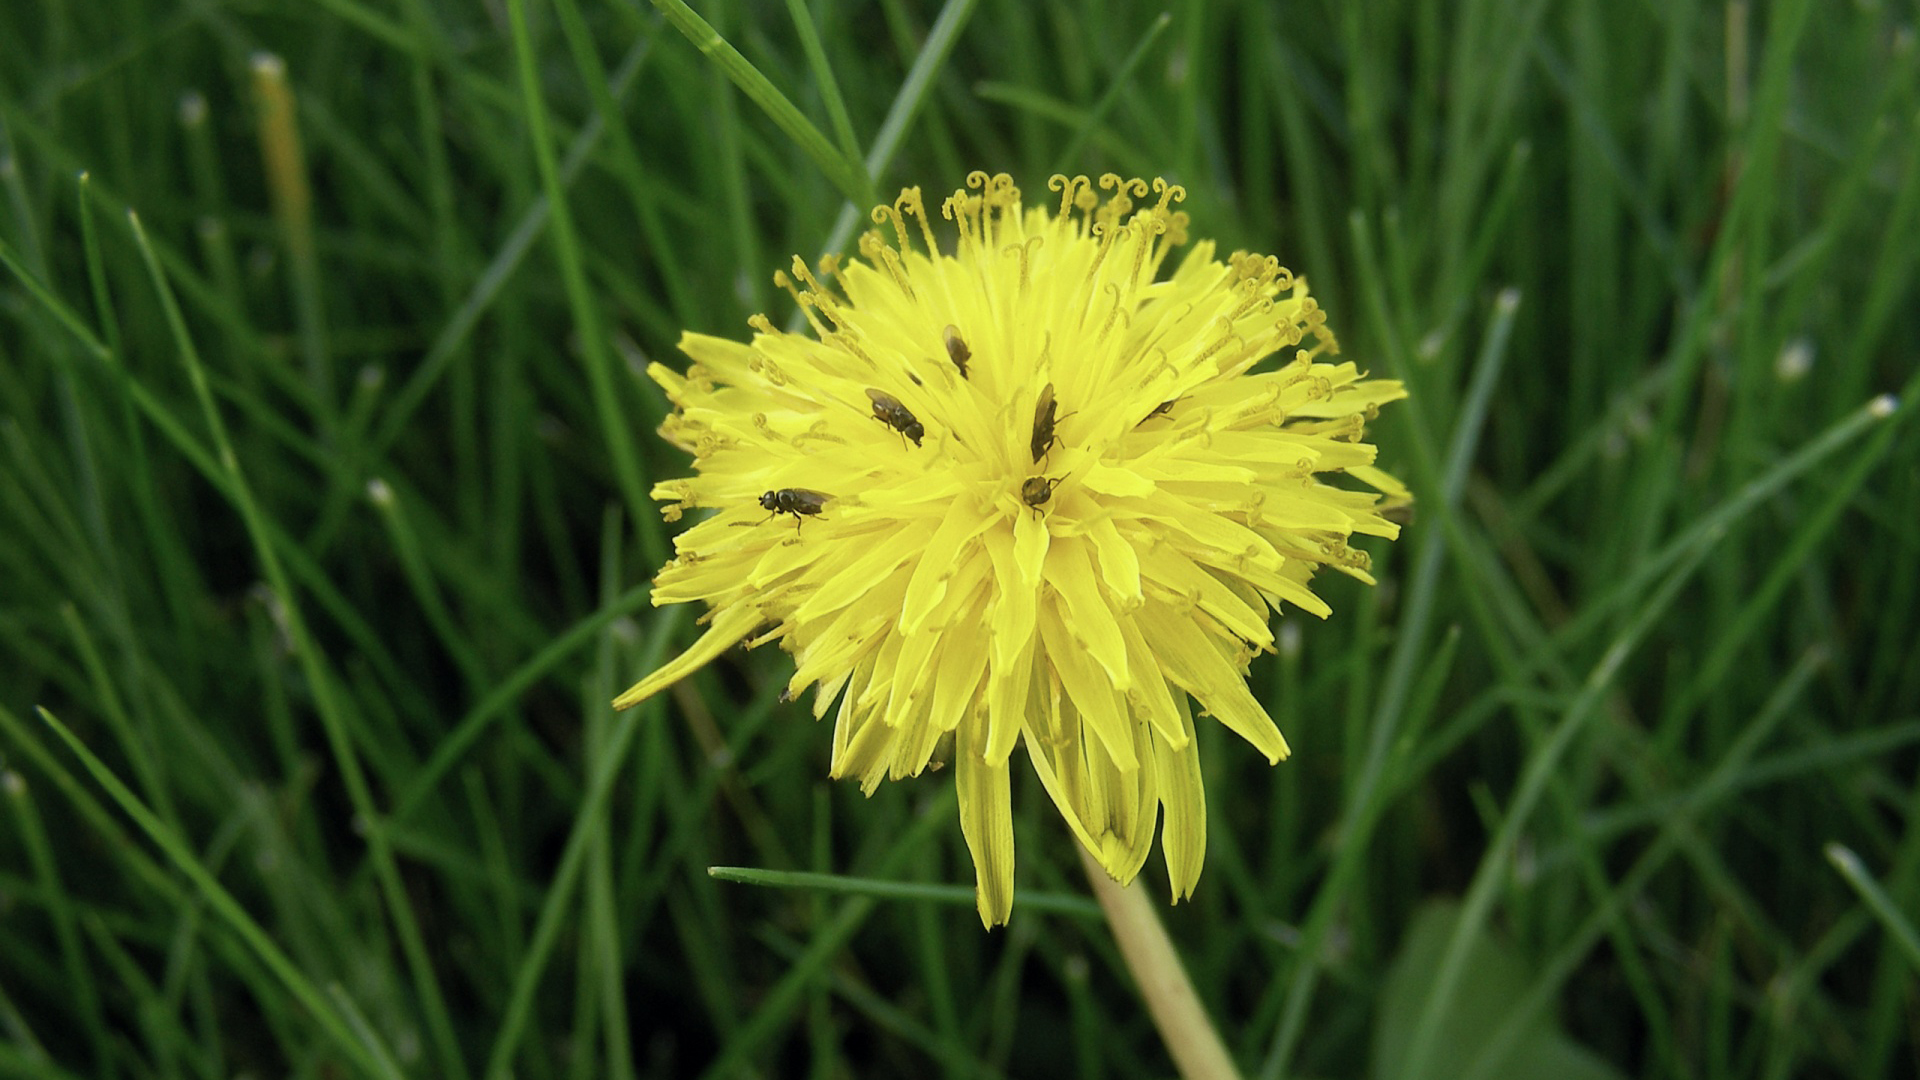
(957,350)
(1161,409)
(888,410)
(795,501)
(1043,423)
(1037,489)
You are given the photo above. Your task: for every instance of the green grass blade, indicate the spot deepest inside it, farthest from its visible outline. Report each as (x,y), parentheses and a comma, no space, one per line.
(358,1043)
(326,700)
(960,896)
(843,171)
(1893,916)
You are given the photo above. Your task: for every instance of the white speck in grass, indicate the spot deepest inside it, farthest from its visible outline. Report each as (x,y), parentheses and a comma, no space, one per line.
(1794,361)
(1431,344)
(1287,640)
(267,64)
(1526,861)
(635,356)
(12,784)
(1639,422)
(1883,406)
(276,611)
(193,109)
(380,493)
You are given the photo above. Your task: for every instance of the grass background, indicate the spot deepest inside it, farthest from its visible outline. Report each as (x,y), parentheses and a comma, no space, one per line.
(324,540)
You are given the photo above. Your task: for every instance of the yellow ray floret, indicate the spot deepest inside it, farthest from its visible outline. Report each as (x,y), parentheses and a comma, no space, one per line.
(1033,490)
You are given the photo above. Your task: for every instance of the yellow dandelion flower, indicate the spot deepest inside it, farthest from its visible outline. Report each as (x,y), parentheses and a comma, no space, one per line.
(1029,494)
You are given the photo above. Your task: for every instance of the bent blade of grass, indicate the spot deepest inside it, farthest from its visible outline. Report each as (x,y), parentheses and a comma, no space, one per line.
(1094,116)
(588,822)
(1884,907)
(785,997)
(824,78)
(62,907)
(329,707)
(952,895)
(359,1042)
(628,466)
(1806,539)
(1722,784)
(500,269)
(843,171)
(11,258)
(1447,477)
(1689,552)
(1540,770)
(455,745)
(906,106)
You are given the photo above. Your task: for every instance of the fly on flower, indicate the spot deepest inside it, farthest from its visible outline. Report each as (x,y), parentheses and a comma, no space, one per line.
(980,610)
(795,501)
(888,410)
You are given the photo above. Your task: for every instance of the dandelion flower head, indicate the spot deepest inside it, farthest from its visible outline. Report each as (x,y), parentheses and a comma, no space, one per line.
(1026,493)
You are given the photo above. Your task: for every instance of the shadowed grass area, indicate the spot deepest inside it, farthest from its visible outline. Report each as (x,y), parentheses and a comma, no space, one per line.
(325,451)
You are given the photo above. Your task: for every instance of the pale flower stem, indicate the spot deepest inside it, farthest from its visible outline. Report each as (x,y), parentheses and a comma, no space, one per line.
(1184,1026)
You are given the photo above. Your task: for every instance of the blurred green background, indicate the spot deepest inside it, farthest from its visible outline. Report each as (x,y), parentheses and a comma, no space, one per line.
(1613,775)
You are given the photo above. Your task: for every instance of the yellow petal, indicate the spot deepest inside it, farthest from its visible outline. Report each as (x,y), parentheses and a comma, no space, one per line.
(986,819)
(1088,617)
(1194,662)
(1183,800)
(729,626)
(1102,709)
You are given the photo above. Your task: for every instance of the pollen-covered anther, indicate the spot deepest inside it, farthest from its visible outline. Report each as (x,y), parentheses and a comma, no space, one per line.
(1072,189)
(764,426)
(767,370)
(821,431)
(1117,313)
(897,271)
(1023,251)
(1252,306)
(850,344)
(1169,193)
(914,206)
(890,215)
